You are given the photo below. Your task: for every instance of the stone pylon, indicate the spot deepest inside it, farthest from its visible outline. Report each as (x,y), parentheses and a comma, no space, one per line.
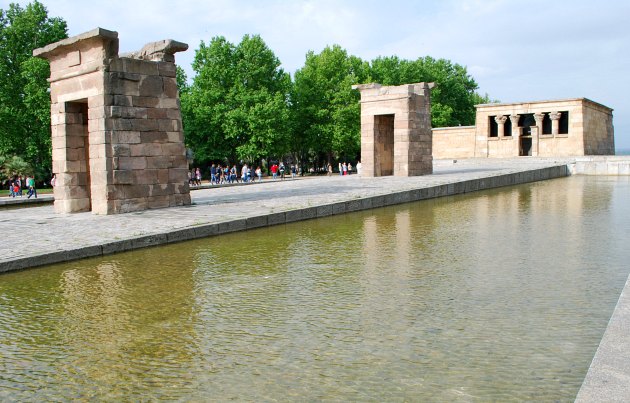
(117,138)
(396,137)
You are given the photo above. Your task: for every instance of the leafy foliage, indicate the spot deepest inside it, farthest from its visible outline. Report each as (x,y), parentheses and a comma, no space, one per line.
(325,109)
(452,99)
(24,98)
(236,107)
(13,166)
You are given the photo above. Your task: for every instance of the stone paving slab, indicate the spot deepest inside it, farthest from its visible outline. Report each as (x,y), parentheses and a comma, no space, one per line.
(37,236)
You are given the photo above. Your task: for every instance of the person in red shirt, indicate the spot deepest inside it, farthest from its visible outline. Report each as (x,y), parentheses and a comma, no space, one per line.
(274,171)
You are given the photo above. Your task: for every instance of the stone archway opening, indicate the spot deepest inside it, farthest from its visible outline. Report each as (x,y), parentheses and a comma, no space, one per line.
(384,145)
(77,154)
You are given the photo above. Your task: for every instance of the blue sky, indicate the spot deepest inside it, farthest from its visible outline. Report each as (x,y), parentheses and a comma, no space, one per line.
(517,50)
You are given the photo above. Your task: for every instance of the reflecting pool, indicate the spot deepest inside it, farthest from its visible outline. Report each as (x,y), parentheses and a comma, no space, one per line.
(499,295)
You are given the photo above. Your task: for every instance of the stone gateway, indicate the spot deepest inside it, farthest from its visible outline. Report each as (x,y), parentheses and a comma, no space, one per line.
(396,134)
(117,138)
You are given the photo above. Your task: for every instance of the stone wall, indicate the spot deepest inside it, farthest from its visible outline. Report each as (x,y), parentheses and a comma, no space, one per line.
(117,133)
(454,142)
(599,127)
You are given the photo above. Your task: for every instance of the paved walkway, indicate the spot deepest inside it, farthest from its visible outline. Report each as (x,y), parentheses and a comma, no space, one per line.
(37,236)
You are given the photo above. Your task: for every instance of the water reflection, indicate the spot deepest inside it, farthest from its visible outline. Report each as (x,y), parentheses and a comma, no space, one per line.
(499,295)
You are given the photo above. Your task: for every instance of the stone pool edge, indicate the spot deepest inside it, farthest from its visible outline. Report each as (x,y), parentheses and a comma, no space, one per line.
(608,376)
(287,216)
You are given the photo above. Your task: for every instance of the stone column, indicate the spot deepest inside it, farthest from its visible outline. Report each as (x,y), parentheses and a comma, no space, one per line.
(536,133)
(500,123)
(539,121)
(555,122)
(514,120)
(515,134)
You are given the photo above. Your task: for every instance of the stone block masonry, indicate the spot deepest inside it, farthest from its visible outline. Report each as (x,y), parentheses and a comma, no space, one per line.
(396,137)
(116,125)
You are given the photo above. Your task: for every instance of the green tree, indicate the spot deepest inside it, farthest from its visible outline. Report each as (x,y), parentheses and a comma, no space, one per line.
(452,99)
(236,107)
(24,98)
(325,109)
(14,166)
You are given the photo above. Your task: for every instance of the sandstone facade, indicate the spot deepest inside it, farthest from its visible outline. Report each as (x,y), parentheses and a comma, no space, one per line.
(396,134)
(117,134)
(571,127)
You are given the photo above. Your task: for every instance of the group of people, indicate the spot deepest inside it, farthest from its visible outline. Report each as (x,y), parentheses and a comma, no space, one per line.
(224,174)
(16,186)
(344,168)
(280,170)
(194,177)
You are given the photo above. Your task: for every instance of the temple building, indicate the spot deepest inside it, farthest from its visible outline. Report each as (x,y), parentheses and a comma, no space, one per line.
(561,128)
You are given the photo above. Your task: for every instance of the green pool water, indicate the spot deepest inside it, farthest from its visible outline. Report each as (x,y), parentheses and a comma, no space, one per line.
(500,295)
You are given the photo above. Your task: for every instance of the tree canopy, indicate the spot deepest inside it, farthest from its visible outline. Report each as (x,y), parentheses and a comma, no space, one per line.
(236,107)
(24,97)
(453,98)
(326,110)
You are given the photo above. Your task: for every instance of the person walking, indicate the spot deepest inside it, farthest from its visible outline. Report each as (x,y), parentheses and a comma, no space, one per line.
(30,182)
(259,174)
(244,172)
(19,185)
(213,174)
(198,176)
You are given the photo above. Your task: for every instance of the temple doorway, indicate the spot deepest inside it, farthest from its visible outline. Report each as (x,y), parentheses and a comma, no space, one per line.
(526,146)
(384,145)
(78,152)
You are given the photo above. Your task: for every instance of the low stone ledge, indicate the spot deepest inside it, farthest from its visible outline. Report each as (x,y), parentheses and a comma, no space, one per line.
(232,226)
(207,230)
(353,205)
(117,246)
(339,208)
(256,222)
(276,218)
(324,211)
(148,240)
(181,235)
(301,214)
